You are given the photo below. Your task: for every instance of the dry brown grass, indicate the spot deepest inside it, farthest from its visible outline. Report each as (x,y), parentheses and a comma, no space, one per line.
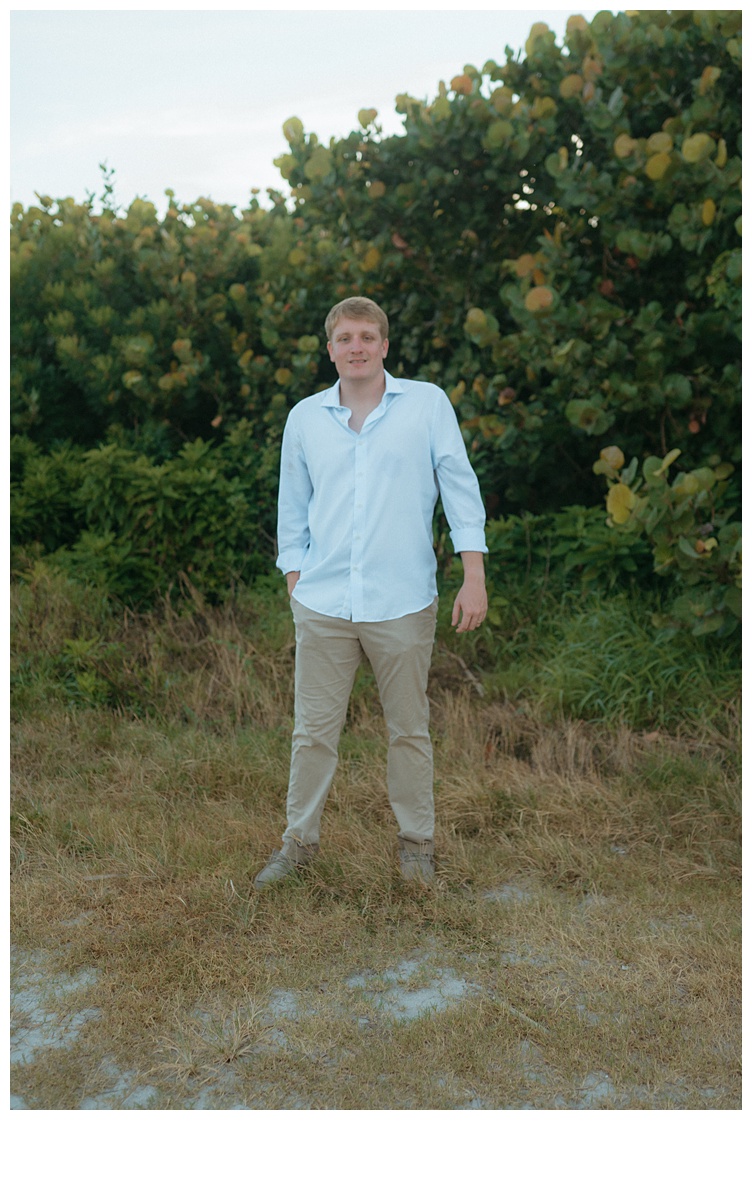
(135,840)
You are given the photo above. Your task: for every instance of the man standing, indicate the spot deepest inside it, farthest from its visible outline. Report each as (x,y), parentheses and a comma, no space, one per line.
(362,467)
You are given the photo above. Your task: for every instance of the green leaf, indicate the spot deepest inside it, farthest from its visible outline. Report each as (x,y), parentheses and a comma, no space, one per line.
(688,549)
(732,598)
(590,417)
(629,473)
(706,478)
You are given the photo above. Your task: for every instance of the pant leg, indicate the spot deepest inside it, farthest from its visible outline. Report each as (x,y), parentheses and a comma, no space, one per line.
(400,654)
(327,656)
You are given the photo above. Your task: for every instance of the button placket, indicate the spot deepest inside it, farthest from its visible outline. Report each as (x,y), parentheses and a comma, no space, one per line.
(358,528)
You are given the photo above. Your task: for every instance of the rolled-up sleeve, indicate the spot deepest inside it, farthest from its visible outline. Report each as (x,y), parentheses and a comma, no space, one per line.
(295,490)
(458,483)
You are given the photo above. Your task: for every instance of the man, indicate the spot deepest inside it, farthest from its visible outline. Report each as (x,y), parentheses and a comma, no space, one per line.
(362,467)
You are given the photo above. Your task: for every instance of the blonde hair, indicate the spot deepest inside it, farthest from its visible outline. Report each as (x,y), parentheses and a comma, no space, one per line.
(357,307)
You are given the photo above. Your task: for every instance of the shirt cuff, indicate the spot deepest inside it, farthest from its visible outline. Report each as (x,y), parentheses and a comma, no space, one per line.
(290,560)
(471,538)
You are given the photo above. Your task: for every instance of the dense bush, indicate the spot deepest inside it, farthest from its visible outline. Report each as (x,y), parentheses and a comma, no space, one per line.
(557,241)
(136,527)
(689,525)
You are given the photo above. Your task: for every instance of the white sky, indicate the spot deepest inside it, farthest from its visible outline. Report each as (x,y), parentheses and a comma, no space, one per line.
(195,100)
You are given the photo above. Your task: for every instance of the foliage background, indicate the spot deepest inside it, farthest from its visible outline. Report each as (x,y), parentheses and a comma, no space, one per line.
(556,239)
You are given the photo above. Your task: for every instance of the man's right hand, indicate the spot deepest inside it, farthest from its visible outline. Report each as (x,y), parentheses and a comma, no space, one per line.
(292,578)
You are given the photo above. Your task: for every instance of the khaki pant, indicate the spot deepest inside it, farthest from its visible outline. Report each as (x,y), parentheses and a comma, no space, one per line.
(328,652)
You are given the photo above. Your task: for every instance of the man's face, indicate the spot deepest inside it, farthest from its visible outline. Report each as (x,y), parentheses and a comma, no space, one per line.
(357,349)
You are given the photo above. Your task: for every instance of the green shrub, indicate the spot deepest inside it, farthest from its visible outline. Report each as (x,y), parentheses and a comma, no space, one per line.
(582,654)
(556,239)
(44,490)
(136,527)
(562,549)
(695,540)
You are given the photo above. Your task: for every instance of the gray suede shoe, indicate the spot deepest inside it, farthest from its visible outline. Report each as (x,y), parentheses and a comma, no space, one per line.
(283,863)
(416,861)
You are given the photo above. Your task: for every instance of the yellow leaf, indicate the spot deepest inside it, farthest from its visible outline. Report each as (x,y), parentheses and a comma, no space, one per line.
(282,376)
(660,143)
(377,189)
(371,259)
(624,146)
(721,157)
(613,457)
(237,291)
(498,132)
(293,130)
(319,164)
(216,421)
(709,76)
(657,165)
(577,23)
(619,502)
(667,461)
(296,257)
(441,109)
(591,68)
(524,265)
(697,147)
(708,212)
(543,106)
(539,29)
(286,164)
(462,84)
(571,85)
(367,115)
(685,485)
(475,322)
(538,298)
(501,99)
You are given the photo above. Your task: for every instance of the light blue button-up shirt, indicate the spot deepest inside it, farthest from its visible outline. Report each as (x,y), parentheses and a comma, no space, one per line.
(356,509)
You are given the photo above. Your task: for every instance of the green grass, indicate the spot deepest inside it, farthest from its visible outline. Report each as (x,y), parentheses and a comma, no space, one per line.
(598,657)
(145,802)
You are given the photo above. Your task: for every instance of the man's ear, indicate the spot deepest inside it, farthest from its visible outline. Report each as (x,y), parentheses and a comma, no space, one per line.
(329,348)
(385,348)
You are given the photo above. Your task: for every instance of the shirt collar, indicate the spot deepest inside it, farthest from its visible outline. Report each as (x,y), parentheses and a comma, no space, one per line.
(330,398)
